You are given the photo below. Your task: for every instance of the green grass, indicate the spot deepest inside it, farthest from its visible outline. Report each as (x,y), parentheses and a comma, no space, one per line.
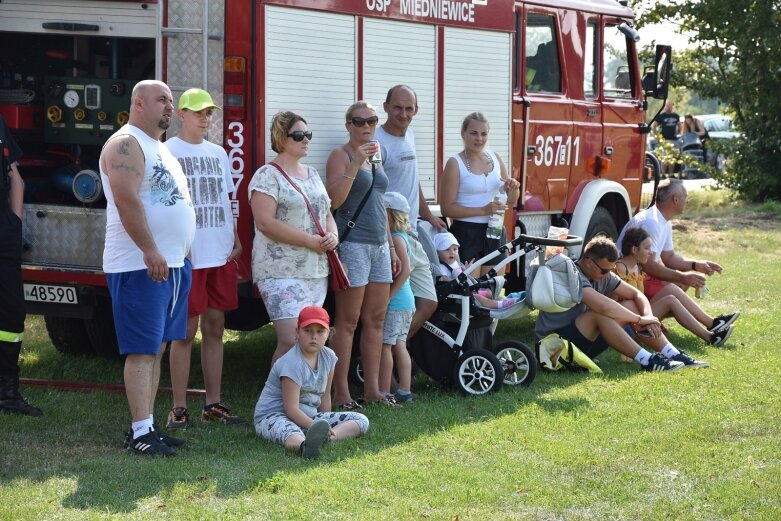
(699,444)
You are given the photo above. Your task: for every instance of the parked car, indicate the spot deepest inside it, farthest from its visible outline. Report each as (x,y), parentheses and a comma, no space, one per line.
(719,128)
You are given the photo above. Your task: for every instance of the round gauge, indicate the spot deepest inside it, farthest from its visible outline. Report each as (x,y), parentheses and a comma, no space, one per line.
(71,98)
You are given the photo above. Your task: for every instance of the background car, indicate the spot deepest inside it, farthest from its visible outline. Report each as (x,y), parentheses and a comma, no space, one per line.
(719,128)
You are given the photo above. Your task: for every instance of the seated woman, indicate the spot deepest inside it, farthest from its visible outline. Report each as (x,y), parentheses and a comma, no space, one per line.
(672,301)
(471,180)
(289,263)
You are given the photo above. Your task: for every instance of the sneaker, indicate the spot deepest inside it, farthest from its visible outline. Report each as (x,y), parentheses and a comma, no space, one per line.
(723,321)
(657,362)
(720,337)
(220,413)
(689,361)
(178,418)
(316,436)
(167,439)
(404,397)
(149,445)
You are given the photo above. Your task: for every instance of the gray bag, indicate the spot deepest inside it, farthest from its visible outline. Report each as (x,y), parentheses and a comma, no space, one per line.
(553,286)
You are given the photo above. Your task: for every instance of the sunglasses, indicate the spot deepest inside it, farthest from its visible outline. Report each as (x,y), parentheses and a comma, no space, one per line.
(299,135)
(359,122)
(600,268)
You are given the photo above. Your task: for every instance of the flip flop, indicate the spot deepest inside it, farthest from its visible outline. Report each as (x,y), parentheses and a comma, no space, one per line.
(350,406)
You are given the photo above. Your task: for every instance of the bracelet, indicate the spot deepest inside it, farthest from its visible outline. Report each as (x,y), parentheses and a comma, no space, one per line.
(639,319)
(348,177)
(694,265)
(392,247)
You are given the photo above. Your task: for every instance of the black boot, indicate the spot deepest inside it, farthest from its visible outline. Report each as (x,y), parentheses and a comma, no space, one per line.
(10,399)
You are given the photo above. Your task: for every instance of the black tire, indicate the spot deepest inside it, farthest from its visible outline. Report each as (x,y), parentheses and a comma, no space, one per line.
(355,374)
(68,335)
(518,362)
(478,372)
(601,225)
(100,329)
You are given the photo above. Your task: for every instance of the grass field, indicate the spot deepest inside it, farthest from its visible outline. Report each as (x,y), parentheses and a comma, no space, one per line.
(696,445)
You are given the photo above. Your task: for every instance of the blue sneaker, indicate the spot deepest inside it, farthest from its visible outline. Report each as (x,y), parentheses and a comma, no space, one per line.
(657,362)
(689,361)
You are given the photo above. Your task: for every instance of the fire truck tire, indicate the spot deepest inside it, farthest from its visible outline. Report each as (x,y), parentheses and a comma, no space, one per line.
(68,335)
(601,224)
(100,330)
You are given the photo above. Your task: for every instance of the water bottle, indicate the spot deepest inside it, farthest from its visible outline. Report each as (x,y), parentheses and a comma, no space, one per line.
(496,220)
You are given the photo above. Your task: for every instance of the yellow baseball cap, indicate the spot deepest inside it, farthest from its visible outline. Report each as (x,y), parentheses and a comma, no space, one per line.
(196,100)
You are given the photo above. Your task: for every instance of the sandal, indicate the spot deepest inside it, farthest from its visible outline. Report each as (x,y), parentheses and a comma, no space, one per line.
(350,406)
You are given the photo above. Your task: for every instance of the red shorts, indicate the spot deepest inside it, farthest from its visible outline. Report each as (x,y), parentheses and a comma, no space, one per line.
(215,288)
(652,286)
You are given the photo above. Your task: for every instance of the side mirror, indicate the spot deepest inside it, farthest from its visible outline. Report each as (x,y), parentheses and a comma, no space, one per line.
(660,82)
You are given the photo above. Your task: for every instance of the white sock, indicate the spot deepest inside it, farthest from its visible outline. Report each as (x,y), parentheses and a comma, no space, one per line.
(669,351)
(141,428)
(642,357)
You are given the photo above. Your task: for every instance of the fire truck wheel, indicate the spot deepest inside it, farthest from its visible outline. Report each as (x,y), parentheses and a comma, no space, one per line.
(68,335)
(100,329)
(601,225)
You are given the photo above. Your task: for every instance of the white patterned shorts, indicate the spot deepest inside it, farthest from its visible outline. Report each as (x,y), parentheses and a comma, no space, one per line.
(396,326)
(285,298)
(277,427)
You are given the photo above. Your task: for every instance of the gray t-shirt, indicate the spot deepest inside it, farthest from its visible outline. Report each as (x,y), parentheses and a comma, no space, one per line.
(401,166)
(547,322)
(371,226)
(312,381)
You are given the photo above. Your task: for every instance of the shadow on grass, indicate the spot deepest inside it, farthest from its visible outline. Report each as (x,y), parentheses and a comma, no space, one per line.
(81,434)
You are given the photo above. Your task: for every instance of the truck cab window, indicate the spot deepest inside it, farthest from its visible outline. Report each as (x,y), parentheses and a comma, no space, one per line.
(543,70)
(616,82)
(590,61)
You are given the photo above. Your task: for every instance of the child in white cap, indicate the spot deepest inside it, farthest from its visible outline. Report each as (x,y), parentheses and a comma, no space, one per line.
(450,266)
(400,308)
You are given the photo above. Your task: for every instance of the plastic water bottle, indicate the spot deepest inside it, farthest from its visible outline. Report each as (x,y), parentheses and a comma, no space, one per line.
(496,221)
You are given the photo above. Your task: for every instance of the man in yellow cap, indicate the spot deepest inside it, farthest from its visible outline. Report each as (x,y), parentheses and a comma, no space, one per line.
(214,253)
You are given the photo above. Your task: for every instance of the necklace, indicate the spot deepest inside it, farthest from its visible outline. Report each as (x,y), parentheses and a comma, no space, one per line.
(488,160)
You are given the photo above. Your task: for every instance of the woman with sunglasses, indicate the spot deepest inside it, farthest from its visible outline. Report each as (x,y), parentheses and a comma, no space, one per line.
(289,263)
(365,252)
(470,181)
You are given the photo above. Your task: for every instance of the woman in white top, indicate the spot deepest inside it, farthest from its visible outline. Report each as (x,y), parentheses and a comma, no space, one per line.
(470,181)
(289,263)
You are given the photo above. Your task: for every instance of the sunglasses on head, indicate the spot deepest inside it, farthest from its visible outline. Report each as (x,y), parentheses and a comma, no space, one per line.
(299,135)
(359,122)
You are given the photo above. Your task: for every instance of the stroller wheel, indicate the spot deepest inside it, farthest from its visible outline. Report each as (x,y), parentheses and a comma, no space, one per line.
(518,361)
(477,372)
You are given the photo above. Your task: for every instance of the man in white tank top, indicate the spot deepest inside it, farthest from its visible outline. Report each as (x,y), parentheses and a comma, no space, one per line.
(150,224)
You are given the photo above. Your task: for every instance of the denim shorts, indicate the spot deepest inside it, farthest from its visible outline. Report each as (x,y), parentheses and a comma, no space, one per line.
(591,349)
(366,263)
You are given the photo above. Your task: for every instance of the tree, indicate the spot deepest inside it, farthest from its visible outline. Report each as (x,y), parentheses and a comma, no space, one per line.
(735,59)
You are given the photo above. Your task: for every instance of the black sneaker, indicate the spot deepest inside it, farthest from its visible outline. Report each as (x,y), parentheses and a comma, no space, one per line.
(18,405)
(720,337)
(316,436)
(723,321)
(657,362)
(688,361)
(167,439)
(149,445)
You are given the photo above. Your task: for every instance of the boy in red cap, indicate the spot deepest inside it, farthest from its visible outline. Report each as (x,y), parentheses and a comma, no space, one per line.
(294,408)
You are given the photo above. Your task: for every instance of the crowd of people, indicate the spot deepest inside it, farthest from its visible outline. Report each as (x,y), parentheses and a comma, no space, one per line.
(170,270)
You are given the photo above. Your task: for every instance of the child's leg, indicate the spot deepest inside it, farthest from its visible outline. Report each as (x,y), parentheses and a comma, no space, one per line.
(278,428)
(403,366)
(345,424)
(669,305)
(386,369)
(691,306)
(486,302)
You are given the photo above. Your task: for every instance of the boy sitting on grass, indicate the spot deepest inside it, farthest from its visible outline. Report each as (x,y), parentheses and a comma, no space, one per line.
(294,406)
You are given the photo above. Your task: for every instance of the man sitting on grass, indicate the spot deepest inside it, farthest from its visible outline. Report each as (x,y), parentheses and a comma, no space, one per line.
(599,321)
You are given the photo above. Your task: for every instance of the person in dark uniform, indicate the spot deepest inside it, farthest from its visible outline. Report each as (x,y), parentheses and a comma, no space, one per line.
(12,312)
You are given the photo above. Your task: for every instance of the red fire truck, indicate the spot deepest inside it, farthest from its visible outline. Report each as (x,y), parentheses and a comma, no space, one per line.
(559,80)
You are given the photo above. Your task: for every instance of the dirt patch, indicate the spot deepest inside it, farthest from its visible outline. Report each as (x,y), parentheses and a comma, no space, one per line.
(706,226)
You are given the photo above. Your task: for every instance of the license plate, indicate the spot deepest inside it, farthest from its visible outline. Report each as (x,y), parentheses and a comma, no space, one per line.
(53,294)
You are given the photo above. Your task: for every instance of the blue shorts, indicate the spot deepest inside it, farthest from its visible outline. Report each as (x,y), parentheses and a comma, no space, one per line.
(148,313)
(366,263)
(591,349)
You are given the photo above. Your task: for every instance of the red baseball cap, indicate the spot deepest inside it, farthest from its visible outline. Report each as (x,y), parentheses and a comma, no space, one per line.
(313,315)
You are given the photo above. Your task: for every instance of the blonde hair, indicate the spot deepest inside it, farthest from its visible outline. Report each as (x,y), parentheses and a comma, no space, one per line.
(398,221)
(474,116)
(355,106)
(280,127)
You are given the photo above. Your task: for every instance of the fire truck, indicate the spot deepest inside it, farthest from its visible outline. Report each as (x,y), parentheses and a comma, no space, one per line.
(559,81)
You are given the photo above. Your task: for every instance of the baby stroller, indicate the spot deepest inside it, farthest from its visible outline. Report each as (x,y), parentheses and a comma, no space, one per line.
(455,346)
(691,145)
